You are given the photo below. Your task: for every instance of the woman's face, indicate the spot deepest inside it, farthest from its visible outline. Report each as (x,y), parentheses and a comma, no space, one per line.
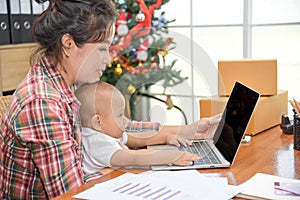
(91,60)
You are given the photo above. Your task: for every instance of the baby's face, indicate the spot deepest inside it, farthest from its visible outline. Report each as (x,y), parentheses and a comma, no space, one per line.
(115,121)
(118,110)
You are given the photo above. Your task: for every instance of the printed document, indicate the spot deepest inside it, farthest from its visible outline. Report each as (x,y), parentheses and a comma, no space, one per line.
(159,185)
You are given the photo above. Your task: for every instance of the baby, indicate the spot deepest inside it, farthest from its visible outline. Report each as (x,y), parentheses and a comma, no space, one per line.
(107,144)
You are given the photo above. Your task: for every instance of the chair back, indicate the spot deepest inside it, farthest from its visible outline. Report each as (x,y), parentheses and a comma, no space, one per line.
(4,102)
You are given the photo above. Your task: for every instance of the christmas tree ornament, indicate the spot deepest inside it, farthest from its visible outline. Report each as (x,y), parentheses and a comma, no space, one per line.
(140,64)
(122,28)
(124,7)
(118,69)
(142,53)
(140,17)
(133,52)
(131,89)
(160,22)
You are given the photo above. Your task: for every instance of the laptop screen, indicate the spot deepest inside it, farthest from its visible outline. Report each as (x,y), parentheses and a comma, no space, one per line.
(235,119)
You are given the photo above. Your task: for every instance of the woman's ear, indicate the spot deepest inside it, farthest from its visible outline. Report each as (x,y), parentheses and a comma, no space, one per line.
(67,43)
(96,123)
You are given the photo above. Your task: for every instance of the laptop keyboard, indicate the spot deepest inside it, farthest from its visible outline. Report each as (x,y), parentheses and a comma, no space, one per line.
(202,149)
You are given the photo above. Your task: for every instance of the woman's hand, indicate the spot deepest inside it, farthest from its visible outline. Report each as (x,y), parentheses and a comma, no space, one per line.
(206,127)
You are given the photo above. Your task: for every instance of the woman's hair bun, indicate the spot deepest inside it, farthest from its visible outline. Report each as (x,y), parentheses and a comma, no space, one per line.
(41,1)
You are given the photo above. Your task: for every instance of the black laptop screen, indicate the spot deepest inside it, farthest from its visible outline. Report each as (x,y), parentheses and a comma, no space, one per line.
(235,119)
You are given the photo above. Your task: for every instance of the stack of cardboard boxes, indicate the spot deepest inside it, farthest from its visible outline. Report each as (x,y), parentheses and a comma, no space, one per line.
(260,75)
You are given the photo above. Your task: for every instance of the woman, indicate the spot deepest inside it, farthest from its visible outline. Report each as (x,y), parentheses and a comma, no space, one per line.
(40,140)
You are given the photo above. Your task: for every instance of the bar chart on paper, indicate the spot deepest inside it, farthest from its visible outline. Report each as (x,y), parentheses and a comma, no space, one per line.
(149,191)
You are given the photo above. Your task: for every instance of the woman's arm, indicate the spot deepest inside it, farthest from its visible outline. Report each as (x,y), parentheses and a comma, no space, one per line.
(176,135)
(202,129)
(141,139)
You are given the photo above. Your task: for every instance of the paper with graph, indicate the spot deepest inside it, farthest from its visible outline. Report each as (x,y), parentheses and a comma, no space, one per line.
(162,185)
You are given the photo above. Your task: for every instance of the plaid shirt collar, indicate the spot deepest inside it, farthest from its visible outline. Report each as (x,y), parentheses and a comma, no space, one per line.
(58,81)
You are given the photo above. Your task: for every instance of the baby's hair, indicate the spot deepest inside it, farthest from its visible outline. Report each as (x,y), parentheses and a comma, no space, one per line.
(86,21)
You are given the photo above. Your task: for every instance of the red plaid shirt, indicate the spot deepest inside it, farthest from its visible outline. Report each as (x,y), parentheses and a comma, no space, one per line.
(40,139)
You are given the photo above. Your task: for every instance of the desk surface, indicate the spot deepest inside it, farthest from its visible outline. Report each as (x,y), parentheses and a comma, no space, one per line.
(269,152)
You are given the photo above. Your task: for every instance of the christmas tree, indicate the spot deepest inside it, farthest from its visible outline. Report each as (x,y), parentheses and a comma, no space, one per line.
(139,50)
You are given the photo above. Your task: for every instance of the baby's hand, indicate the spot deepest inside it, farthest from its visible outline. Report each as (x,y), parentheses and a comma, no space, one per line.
(186,158)
(177,140)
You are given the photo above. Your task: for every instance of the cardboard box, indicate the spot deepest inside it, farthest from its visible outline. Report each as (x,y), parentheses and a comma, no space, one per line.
(267,112)
(260,75)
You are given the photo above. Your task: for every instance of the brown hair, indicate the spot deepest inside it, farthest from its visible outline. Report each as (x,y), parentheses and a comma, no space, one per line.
(84,20)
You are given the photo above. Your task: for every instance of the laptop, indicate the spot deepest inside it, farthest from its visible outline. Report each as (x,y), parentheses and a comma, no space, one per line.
(220,151)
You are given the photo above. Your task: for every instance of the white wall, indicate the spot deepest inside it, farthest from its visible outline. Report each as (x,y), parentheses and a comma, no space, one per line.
(209,31)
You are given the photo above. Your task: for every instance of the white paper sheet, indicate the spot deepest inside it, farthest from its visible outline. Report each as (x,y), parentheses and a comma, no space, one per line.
(261,186)
(172,185)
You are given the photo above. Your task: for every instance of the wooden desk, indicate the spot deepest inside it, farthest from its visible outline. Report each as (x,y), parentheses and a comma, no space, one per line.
(270,152)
